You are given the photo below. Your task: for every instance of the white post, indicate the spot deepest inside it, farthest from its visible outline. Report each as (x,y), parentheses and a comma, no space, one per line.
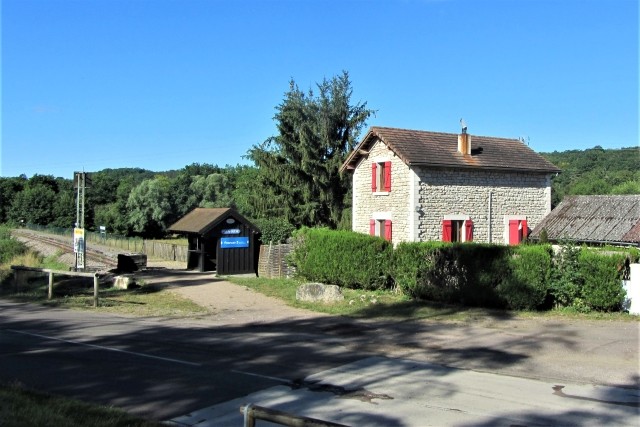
(632,286)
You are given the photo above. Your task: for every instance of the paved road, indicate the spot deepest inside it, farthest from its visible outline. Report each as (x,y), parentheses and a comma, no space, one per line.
(167,369)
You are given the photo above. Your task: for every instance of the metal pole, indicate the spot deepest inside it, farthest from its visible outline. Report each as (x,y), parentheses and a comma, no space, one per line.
(253,413)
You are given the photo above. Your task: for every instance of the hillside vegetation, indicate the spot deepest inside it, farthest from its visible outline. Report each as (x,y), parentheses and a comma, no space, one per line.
(595,171)
(144,203)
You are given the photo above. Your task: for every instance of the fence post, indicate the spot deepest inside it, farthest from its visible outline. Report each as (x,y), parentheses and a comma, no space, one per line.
(50,295)
(95,290)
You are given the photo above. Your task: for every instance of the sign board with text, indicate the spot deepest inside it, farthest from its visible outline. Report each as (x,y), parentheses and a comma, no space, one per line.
(234,242)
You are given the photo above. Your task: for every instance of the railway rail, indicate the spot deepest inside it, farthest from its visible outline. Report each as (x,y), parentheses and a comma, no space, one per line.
(95,259)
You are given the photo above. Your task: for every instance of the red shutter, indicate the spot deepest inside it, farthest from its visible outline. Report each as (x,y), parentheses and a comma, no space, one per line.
(374,176)
(372,227)
(387,176)
(446,230)
(514,233)
(525,230)
(387,230)
(468,230)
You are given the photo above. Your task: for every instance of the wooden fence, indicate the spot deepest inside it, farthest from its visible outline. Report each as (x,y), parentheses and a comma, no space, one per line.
(273,261)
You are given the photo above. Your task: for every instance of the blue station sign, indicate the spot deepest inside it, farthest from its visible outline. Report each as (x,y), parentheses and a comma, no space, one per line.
(234,242)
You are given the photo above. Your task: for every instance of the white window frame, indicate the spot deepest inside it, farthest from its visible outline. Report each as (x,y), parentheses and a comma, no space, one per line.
(462,218)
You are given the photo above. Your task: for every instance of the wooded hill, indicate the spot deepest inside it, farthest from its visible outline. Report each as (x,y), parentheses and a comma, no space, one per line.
(140,202)
(595,171)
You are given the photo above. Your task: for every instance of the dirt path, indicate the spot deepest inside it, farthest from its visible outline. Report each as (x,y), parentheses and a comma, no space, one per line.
(228,303)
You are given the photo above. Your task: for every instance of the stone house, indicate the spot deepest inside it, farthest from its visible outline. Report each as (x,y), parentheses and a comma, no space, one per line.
(411,185)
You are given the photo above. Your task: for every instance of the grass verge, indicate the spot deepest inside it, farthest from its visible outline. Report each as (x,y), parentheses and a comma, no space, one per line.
(391,305)
(77,293)
(20,407)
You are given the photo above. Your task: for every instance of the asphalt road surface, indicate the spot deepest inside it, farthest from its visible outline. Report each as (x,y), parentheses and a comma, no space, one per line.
(355,373)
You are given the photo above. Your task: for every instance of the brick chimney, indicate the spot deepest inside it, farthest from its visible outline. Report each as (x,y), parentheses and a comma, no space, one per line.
(464,142)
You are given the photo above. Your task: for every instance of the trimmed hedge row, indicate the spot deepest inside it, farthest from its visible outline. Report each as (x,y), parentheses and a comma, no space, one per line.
(525,277)
(342,258)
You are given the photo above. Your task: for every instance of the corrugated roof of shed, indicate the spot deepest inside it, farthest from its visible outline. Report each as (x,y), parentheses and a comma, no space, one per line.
(437,149)
(606,219)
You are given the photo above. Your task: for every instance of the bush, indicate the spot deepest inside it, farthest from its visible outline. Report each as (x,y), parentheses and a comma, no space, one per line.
(411,261)
(275,230)
(527,285)
(566,280)
(602,288)
(452,273)
(342,258)
(9,247)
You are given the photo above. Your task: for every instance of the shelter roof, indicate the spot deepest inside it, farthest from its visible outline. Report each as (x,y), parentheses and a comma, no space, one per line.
(595,219)
(201,220)
(437,149)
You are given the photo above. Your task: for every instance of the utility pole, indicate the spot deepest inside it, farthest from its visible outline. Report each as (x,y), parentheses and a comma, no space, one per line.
(79,242)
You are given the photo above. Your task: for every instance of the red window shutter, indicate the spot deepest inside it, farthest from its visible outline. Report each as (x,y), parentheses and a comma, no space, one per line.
(374,177)
(514,233)
(525,230)
(387,230)
(468,231)
(387,176)
(372,227)
(446,230)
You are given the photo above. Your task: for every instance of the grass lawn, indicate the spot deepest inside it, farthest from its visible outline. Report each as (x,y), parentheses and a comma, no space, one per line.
(20,407)
(391,305)
(77,293)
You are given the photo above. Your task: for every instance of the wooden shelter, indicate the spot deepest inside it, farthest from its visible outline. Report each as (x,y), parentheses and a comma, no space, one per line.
(221,240)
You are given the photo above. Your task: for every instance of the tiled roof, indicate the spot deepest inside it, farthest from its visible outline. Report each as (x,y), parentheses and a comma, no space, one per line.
(200,220)
(439,149)
(602,219)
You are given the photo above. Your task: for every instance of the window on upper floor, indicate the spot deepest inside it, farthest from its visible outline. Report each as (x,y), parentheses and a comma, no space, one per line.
(381,228)
(381,177)
(457,230)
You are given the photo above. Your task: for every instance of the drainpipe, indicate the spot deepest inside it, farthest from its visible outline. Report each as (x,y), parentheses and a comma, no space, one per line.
(489,213)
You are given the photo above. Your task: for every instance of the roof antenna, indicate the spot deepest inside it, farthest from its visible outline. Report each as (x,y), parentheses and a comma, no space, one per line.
(463,125)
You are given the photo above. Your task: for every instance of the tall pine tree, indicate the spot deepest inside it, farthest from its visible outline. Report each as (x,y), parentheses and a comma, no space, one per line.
(299,175)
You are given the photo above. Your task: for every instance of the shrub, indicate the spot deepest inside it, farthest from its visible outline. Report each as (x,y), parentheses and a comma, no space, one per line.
(411,261)
(602,288)
(343,258)
(527,285)
(452,273)
(566,280)
(275,230)
(10,248)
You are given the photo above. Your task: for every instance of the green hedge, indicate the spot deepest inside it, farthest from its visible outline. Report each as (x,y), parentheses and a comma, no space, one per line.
(527,285)
(343,258)
(463,273)
(602,288)
(525,277)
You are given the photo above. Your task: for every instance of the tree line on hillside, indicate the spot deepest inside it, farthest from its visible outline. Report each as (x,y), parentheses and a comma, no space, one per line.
(294,180)
(595,171)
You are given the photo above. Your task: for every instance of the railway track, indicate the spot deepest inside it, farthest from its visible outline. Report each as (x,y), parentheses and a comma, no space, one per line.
(47,245)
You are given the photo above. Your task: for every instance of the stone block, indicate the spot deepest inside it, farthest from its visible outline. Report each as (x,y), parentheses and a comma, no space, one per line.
(125,281)
(315,292)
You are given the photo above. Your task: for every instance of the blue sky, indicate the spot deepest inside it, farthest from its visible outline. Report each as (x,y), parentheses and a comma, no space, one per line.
(160,84)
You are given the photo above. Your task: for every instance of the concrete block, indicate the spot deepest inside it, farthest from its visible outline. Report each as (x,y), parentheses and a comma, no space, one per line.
(315,292)
(125,281)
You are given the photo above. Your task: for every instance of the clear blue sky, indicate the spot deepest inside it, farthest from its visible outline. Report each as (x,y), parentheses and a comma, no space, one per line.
(160,84)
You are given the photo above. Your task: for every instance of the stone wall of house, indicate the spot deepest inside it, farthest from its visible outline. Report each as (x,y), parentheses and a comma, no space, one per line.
(443,192)
(393,205)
